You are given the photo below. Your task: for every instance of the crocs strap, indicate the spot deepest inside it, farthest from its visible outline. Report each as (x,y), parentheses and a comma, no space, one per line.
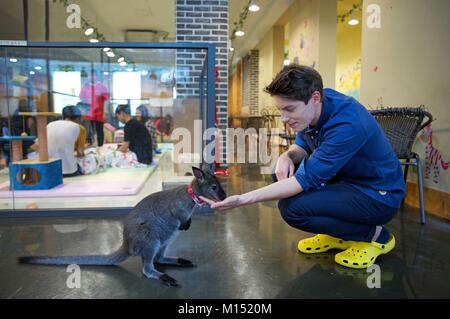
(378,230)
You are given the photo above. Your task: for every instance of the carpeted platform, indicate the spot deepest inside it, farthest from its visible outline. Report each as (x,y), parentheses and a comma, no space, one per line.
(112,182)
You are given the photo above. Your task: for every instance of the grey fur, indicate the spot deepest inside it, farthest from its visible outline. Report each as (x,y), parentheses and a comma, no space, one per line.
(150,227)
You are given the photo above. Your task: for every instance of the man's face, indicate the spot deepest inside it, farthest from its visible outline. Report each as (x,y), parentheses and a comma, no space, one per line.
(296,114)
(121,117)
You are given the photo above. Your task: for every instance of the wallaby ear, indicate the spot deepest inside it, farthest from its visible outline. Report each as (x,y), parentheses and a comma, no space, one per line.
(198,173)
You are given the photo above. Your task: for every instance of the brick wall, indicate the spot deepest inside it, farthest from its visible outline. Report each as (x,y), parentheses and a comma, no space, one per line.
(251,82)
(203,21)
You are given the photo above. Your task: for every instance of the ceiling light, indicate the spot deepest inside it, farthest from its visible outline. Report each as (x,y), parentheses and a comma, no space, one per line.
(105,73)
(144,72)
(123,63)
(93,40)
(120,59)
(89,31)
(286,62)
(353,22)
(106,49)
(32,72)
(231,49)
(239,33)
(38,67)
(110,54)
(13,60)
(129,69)
(253,6)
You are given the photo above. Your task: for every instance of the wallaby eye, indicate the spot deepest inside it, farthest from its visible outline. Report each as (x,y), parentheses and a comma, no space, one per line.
(214,187)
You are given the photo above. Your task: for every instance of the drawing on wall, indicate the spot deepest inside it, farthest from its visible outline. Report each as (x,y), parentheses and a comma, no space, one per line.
(350,81)
(433,157)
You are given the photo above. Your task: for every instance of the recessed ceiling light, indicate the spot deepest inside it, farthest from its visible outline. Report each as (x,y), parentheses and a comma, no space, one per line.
(129,69)
(123,63)
(13,60)
(106,49)
(110,54)
(93,40)
(105,73)
(239,33)
(121,59)
(231,49)
(253,6)
(353,22)
(144,72)
(32,72)
(38,67)
(89,31)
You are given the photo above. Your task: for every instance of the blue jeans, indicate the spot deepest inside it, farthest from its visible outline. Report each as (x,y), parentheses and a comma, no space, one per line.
(338,209)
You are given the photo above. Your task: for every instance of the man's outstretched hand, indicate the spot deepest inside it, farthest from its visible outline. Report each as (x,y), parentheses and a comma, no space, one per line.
(227,203)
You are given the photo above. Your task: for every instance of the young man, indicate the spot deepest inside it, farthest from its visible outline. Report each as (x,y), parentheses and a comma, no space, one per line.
(136,137)
(348,183)
(64,138)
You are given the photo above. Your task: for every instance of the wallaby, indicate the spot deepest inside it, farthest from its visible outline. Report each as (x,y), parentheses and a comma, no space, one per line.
(150,227)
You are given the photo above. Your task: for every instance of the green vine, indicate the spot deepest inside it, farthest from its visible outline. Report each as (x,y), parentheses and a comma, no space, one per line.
(240,24)
(345,16)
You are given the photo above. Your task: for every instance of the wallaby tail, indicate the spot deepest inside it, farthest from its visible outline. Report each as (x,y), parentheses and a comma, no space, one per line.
(116,257)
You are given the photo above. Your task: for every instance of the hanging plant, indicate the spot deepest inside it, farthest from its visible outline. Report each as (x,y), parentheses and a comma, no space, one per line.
(348,14)
(240,23)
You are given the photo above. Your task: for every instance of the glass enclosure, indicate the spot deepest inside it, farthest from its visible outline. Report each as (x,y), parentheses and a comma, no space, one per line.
(101,125)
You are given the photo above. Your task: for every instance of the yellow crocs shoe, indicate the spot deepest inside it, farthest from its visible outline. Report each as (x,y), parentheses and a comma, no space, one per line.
(362,254)
(321,243)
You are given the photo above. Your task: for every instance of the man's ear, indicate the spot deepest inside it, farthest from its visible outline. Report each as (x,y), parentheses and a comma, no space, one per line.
(198,173)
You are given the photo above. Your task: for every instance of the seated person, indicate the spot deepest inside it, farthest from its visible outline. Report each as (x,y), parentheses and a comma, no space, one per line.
(136,137)
(64,137)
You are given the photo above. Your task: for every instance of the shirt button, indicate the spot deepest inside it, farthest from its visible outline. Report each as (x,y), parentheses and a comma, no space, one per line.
(382,192)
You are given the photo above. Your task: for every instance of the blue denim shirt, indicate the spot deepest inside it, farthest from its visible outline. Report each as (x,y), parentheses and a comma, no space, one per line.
(348,144)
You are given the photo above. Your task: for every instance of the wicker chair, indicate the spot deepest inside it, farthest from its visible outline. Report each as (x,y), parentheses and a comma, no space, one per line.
(401,126)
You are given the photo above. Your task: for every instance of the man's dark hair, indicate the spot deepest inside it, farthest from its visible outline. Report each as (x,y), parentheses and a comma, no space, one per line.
(296,82)
(71,112)
(123,108)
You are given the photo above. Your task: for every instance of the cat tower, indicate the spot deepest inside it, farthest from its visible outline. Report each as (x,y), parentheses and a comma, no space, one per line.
(35,174)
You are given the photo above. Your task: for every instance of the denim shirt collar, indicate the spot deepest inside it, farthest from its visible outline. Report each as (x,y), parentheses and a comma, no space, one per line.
(323,118)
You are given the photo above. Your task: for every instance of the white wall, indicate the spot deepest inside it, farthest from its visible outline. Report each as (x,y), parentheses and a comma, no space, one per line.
(406,63)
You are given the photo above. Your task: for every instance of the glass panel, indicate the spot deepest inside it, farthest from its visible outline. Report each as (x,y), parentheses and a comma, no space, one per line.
(6,199)
(105,126)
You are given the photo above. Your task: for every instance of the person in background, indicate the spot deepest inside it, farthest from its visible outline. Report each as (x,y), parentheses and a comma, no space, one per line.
(136,137)
(142,115)
(65,138)
(94,93)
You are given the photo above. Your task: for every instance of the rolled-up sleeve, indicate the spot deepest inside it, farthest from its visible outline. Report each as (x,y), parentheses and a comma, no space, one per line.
(339,145)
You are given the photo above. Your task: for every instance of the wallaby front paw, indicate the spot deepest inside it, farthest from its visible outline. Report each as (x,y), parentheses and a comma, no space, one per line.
(186,263)
(168,281)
